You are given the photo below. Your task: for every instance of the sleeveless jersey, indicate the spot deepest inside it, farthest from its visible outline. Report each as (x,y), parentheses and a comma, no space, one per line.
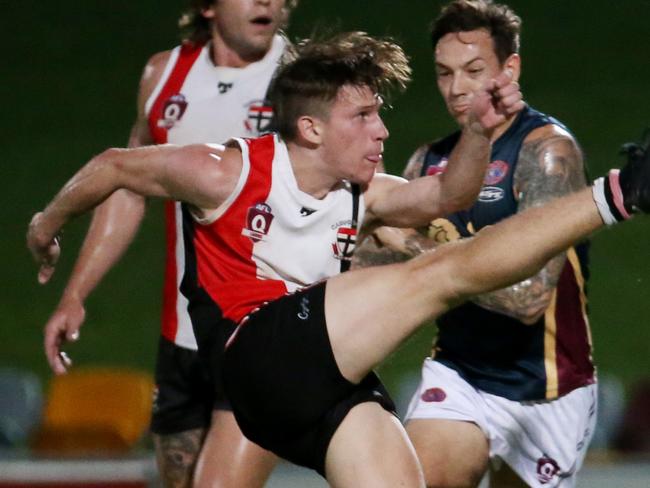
(493,352)
(196,101)
(269,238)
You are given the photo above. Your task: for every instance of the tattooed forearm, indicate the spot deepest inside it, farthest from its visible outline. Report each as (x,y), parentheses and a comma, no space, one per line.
(177,455)
(527,300)
(390,245)
(371,253)
(550,165)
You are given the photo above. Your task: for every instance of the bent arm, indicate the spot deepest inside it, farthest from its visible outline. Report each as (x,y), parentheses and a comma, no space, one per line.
(419,201)
(395,202)
(550,166)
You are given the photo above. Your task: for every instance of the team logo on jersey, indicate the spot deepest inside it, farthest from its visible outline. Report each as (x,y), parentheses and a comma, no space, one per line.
(258,222)
(434,395)
(173,110)
(437,169)
(547,469)
(259,117)
(496,171)
(491,194)
(346,240)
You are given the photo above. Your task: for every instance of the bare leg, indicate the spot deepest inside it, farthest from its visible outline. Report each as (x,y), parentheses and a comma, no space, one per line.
(229,460)
(461,463)
(371,448)
(371,311)
(176,456)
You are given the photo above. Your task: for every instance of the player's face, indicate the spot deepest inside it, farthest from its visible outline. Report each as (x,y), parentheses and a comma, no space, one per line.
(464,62)
(247,26)
(354,134)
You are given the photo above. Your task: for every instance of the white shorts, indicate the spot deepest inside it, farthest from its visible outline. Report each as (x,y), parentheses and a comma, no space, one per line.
(544,442)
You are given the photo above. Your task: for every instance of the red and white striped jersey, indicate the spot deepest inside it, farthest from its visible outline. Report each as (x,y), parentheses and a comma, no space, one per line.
(196,101)
(269,237)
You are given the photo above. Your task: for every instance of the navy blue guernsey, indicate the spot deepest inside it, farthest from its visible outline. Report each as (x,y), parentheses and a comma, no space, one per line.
(493,352)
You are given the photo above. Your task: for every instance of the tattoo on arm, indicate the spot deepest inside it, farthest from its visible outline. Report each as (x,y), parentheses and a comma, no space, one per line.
(372,253)
(549,167)
(415,163)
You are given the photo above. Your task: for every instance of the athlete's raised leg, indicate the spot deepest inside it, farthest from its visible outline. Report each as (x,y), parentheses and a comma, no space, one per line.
(398,298)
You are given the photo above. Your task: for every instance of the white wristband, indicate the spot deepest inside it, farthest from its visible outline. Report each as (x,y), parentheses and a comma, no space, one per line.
(598,192)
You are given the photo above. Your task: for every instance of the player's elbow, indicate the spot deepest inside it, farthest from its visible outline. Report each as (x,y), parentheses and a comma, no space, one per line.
(107,160)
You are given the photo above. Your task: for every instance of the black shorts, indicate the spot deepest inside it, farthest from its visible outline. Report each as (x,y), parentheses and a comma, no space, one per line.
(185,391)
(287,392)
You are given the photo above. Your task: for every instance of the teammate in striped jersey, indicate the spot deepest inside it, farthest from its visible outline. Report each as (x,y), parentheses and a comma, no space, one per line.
(210,88)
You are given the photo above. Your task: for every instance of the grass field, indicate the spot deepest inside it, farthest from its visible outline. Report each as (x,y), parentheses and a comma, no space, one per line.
(68,91)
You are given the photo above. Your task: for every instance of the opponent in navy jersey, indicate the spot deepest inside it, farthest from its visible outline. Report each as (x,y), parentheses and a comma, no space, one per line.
(272,214)
(515,353)
(529,342)
(209,89)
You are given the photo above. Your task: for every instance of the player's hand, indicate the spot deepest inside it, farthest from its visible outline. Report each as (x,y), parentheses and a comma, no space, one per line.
(494,103)
(44,248)
(62,327)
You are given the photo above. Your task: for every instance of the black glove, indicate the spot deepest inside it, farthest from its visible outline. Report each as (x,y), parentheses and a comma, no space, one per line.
(634,177)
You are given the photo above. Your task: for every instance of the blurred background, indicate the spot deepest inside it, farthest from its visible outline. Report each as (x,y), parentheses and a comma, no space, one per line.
(69,80)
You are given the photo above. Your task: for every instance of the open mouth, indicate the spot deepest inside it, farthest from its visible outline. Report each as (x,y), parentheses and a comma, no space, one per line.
(262,20)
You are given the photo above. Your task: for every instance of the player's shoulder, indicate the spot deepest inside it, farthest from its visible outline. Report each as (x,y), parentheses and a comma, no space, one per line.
(153,71)
(159,59)
(550,131)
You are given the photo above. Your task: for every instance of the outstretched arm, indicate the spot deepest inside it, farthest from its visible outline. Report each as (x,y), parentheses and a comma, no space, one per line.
(113,227)
(201,175)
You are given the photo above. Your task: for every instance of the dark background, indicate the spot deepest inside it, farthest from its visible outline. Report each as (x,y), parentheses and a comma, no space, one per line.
(69,77)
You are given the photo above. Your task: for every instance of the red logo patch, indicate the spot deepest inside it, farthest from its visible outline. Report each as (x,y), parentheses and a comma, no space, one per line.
(434,395)
(258,222)
(172,111)
(496,171)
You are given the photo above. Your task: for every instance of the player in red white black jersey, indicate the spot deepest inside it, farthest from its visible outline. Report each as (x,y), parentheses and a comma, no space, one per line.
(208,89)
(298,368)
